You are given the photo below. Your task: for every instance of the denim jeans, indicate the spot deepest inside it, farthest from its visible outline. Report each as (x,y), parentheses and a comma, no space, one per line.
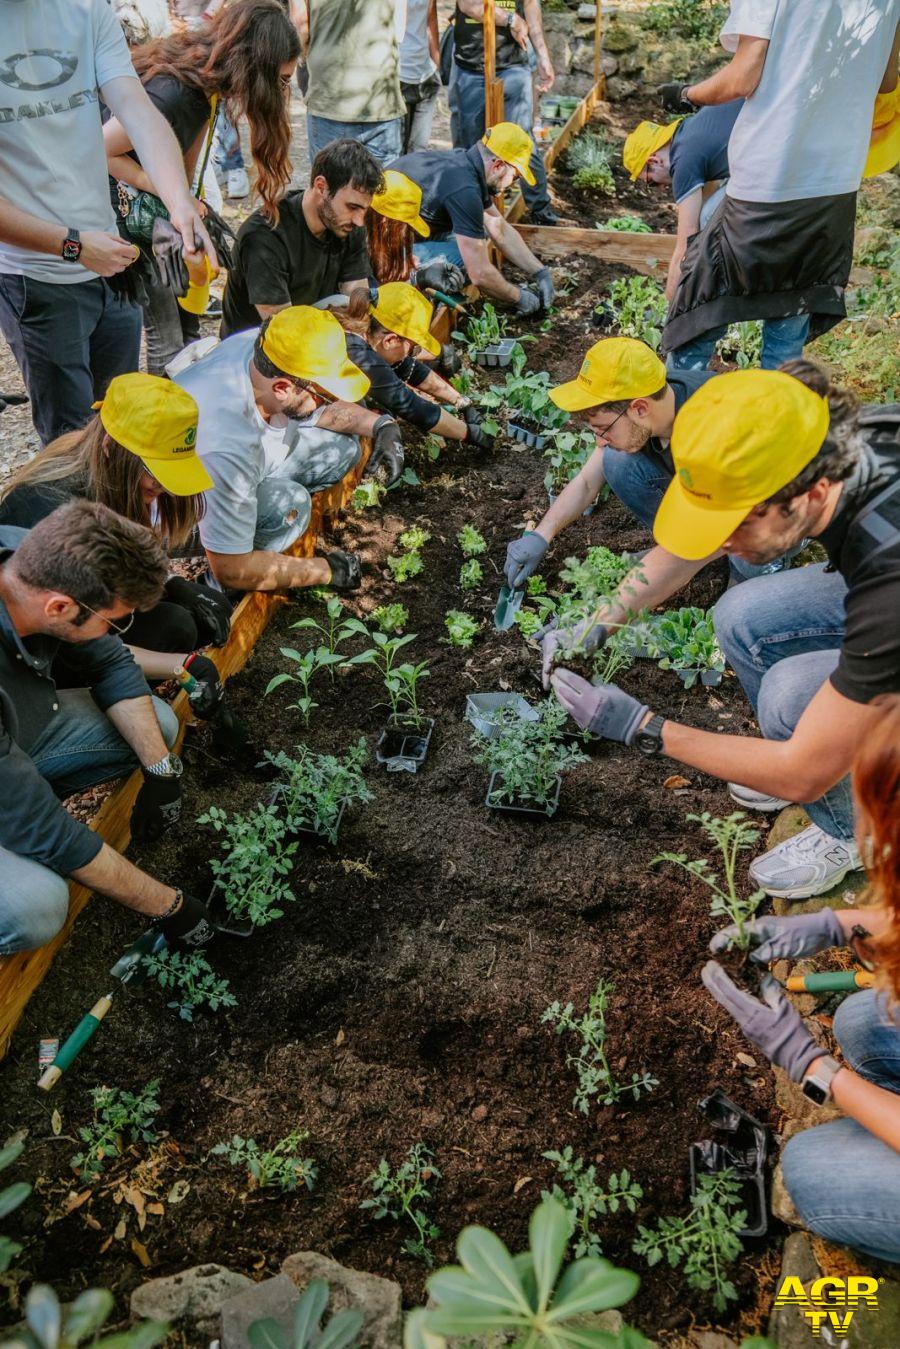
(466,95)
(69,342)
(284,499)
(78,749)
(169,328)
(782,637)
(421,101)
(843,1180)
(383,139)
(226,152)
(429,250)
(783,339)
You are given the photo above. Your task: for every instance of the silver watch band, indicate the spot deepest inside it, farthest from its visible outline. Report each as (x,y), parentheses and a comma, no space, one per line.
(167,767)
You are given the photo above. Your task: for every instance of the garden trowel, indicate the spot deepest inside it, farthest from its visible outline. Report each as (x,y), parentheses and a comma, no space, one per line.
(509,603)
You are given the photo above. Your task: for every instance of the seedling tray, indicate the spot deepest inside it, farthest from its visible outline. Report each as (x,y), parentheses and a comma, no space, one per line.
(498,354)
(524,812)
(744,1150)
(710,679)
(479,707)
(307,832)
(403,746)
(536,440)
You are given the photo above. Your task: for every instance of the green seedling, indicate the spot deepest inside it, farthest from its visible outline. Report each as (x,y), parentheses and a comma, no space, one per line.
(461,628)
(566,455)
(462,380)
(535,585)
(401,682)
(528,757)
(335,629)
(704,1242)
(625,224)
(11,1197)
(587,1200)
(368,494)
(433,448)
(732,836)
(529,621)
(526,397)
(414,539)
(316,786)
(588,161)
(399,1194)
(191,977)
(50,1324)
(404,566)
(119,1117)
(613,658)
(742,344)
(390,617)
(686,640)
(482,330)
(258,859)
(592,580)
(307,1332)
(590,1060)
(471,541)
(307,665)
(471,574)
(281,1168)
(639,305)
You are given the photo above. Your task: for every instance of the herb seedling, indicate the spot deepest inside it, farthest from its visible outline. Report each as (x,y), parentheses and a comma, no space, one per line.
(731,836)
(335,629)
(404,566)
(119,1116)
(529,621)
(625,224)
(433,447)
(528,758)
(461,628)
(471,541)
(526,398)
(317,786)
(566,454)
(462,380)
(588,161)
(591,580)
(590,1061)
(471,574)
(639,307)
(367,494)
(252,874)
(414,539)
(390,617)
(191,977)
(282,1167)
(742,344)
(686,639)
(398,1194)
(704,1242)
(587,1199)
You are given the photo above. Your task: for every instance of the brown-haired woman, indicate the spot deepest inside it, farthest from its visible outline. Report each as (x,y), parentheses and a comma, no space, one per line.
(392,226)
(844,1177)
(243,58)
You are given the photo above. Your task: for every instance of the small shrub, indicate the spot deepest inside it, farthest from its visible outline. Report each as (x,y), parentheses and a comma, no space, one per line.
(461,628)
(732,836)
(472,543)
(119,1117)
(398,1195)
(316,786)
(192,979)
(280,1168)
(528,757)
(588,161)
(590,1060)
(471,574)
(404,566)
(587,1200)
(686,640)
(252,874)
(390,617)
(705,1241)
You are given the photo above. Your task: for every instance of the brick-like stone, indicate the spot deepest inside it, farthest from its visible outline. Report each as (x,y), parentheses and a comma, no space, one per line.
(274,1299)
(196,1295)
(379,1299)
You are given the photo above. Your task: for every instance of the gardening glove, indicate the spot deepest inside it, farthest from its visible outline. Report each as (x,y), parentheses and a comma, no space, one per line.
(786,938)
(440,275)
(231,739)
(603,709)
(387,459)
(346,573)
(206,698)
(450,361)
(475,432)
(545,287)
(210,609)
(168,250)
(673,98)
(773,1024)
(584,636)
(523,556)
(529,301)
(221,234)
(156,809)
(190,925)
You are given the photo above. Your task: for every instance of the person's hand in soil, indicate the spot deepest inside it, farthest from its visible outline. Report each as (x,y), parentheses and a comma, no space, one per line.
(156,809)
(773,1025)
(206,698)
(603,709)
(545,287)
(476,434)
(585,637)
(189,925)
(346,572)
(387,458)
(524,556)
(441,275)
(529,301)
(776,938)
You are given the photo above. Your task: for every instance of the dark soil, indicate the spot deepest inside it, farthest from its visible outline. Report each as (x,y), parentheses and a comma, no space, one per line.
(400,998)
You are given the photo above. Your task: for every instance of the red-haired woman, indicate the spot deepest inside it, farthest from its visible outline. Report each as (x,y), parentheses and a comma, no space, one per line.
(844,1177)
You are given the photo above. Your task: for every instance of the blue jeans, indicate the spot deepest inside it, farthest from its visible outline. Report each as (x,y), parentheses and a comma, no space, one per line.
(843,1180)
(227,146)
(466,95)
(783,339)
(428,250)
(284,499)
(383,139)
(782,637)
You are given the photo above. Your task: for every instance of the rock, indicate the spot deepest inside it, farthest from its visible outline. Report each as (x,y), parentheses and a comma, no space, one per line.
(630,63)
(608,64)
(619,37)
(558,35)
(711,1339)
(379,1299)
(583,12)
(781,1203)
(196,1295)
(617,88)
(787,1326)
(871,1328)
(275,1298)
(479,1113)
(746,1060)
(581,59)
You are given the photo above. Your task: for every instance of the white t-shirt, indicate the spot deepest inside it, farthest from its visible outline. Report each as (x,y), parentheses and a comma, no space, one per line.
(238,447)
(804,132)
(54,56)
(415,58)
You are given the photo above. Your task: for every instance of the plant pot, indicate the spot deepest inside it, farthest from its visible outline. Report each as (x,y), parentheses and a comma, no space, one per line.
(743,1148)
(711,679)
(603,316)
(307,832)
(479,706)
(536,440)
(567,103)
(403,745)
(523,810)
(498,354)
(225,923)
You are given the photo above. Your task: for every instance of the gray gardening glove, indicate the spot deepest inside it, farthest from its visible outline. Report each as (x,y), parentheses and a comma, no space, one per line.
(523,556)
(786,938)
(168,250)
(603,709)
(773,1025)
(529,301)
(545,287)
(584,636)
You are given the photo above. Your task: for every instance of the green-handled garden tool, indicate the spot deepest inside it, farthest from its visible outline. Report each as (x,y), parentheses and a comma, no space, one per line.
(509,602)
(830,981)
(448,300)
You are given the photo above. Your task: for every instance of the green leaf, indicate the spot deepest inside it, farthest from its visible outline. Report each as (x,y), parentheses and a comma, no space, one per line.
(277,680)
(13,1196)
(8,1155)
(87,1313)
(43,1315)
(267,1334)
(309,1311)
(549,1231)
(144,1336)
(417,1333)
(488,1261)
(342,1330)
(592,1286)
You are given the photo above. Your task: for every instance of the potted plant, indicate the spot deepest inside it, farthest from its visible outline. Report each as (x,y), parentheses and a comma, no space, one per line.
(566,453)
(403,743)
(490,712)
(317,788)
(484,339)
(526,763)
(532,416)
(687,642)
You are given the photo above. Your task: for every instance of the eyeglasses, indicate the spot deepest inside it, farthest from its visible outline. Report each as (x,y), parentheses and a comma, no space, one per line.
(315,391)
(285,81)
(116,627)
(606,430)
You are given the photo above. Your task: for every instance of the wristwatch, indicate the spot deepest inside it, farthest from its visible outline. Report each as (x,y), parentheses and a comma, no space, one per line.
(649,738)
(818,1087)
(168,767)
(71,246)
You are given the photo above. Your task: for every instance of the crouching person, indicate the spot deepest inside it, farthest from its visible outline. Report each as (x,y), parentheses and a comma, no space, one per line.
(68,589)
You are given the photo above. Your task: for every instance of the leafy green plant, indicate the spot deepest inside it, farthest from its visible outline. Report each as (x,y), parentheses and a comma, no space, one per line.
(529,1299)
(697,20)
(192,979)
(587,1200)
(588,161)
(368,494)
(335,629)
(482,330)
(119,1117)
(399,1195)
(462,380)
(281,1167)
(11,1197)
(462,629)
(414,539)
(471,574)
(307,1331)
(625,224)
(732,836)
(566,454)
(592,579)
(404,566)
(590,1060)
(401,682)
(704,1242)
(390,617)
(613,658)
(307,665)
(528,757)
(529,621)
(315,787)
(686,639)
(52,1325)
(526,397)
(742,344)
(639,308)
(471,541)
(432,448)
(880,297)
(258,859)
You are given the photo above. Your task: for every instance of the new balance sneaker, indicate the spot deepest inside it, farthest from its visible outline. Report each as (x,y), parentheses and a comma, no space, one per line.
(751,800)
(237,184)
(807,864)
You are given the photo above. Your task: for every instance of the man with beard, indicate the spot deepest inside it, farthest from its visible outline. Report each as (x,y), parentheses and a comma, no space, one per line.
(318,246)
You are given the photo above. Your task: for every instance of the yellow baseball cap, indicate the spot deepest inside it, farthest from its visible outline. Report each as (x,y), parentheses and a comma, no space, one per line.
(513,145)
(614,368)
(157,421)
(407,312)
(735,442)
(309,343)
(884,144)
(644,141)
(401,199)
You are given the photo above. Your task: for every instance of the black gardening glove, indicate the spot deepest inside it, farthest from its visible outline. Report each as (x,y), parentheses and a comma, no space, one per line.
(210,609)
(168,250)
(475,433)
(450,360)
(157,808)
(387,458)
(673,97)
(190,925)
(206,698)
(222,235)
(231,739)
(441,275)
(346,573)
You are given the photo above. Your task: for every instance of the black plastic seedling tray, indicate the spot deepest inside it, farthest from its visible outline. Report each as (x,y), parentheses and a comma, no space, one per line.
(743,1149)
(403,746)
(524,812)
(535,440)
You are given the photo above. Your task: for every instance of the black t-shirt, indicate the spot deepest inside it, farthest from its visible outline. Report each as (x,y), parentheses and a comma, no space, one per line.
(185,109)
(682,383)
(390,384)
(699,152)
(287,264)
(32,501)
(455,194)
(468,39)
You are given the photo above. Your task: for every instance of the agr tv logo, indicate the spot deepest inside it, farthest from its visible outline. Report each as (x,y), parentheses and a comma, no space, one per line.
(830,1301)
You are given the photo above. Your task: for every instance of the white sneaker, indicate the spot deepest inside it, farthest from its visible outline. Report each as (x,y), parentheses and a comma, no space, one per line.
(807,864)
(237,184)
(751,800)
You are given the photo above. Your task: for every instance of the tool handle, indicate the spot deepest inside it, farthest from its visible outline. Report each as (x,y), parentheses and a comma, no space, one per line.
(72,1047)
(185,679)
(448,300)
(830,981)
